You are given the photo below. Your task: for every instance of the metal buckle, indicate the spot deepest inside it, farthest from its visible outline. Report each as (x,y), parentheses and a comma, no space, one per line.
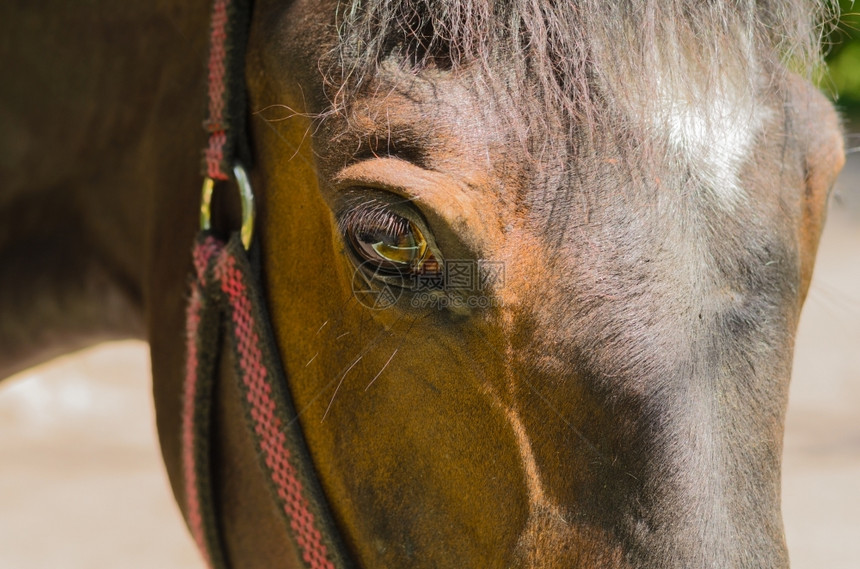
(246,194)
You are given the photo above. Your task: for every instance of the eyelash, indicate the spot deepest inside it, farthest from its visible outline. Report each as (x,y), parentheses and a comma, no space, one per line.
(372,216)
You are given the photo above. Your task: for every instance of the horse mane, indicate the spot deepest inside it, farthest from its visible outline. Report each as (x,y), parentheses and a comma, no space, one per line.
(559,60)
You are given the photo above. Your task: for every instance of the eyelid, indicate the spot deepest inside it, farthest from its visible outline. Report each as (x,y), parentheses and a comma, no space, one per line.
(456,206)
(392,175)
(354,199)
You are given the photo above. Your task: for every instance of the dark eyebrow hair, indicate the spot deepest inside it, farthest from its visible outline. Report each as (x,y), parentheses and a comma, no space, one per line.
(401,143)
(369,134)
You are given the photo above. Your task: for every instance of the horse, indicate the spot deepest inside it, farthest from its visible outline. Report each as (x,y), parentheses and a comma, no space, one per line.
(631,194)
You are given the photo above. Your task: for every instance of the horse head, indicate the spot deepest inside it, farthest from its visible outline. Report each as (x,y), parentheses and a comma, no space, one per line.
(534,274)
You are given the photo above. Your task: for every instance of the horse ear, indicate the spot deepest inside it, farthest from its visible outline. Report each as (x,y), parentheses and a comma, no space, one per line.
(825,156)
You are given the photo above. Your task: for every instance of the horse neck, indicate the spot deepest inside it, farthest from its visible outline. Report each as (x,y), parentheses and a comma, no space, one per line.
(103,127)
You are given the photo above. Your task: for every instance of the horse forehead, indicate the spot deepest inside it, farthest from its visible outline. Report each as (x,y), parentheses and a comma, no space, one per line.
(710,138)
(713,138)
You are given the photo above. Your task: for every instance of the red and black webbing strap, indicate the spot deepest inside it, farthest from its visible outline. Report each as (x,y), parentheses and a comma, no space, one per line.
(226,310)
(226,306)
(202,327)
(226,96)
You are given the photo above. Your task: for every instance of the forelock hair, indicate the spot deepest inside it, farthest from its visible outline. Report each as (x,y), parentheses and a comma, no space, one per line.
(561,63)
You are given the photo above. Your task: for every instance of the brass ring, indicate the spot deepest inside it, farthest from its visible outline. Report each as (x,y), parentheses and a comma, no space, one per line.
(246,195)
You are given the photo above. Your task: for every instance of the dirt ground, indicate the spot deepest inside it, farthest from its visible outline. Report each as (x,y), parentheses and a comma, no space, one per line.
(82,486)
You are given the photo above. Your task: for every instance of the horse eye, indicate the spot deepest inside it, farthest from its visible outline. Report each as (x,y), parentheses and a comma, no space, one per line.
(388,243)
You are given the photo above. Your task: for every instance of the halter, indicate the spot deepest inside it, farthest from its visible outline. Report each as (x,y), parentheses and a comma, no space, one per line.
(226,306)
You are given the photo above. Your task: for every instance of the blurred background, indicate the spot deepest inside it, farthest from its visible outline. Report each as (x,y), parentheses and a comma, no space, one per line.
(82,484)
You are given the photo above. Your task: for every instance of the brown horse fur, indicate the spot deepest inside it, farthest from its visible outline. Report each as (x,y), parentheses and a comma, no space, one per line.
(619,404)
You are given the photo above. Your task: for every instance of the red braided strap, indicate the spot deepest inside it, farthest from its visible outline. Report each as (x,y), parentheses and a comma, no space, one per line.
(267,426)
(214,155)
(201,331)
(224,288)
(189,466)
